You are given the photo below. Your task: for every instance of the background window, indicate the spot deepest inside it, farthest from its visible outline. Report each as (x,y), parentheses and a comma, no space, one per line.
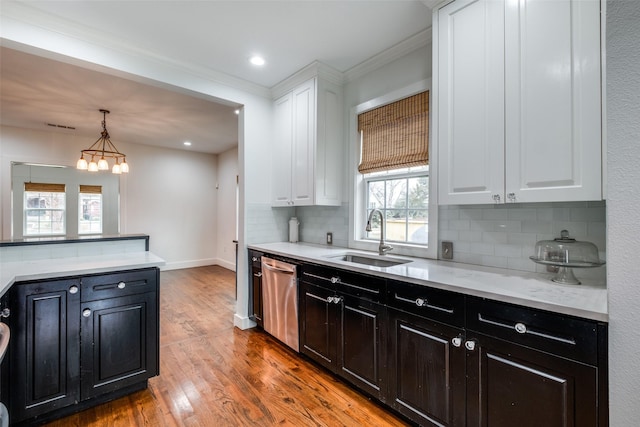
(44,209)
(90,209)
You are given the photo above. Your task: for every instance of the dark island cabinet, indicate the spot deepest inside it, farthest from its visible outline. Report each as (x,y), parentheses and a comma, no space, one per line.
(76,340)
(342,326)
(44,353)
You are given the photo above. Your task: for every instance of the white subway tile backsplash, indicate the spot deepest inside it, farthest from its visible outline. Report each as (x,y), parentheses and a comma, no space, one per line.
(509,232)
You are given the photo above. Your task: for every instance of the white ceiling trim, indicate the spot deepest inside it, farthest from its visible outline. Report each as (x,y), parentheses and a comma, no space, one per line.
(417,41)
(29,16)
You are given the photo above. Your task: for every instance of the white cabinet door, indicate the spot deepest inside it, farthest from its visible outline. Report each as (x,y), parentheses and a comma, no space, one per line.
(470,84)
(553,105)
(304,143)
(282,151)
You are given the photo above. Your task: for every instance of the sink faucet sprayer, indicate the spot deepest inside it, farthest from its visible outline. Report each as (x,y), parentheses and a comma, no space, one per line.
(382,248)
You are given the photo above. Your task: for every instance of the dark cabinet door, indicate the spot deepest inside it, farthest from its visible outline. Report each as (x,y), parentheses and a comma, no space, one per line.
(361,358)
(256,281)
(318,329)
(512,385)
(427,370)
(44,347)
(119,342)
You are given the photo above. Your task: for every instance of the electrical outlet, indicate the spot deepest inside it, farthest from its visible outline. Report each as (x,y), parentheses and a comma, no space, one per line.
(447,250)
(329,238)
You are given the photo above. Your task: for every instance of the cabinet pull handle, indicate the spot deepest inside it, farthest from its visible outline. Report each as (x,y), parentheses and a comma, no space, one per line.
(121,285)
(470,345)
(5,313)
(457,341)
(258,274)
(86,312)
(73,289)
(423,302)
(521,328)
(254,259)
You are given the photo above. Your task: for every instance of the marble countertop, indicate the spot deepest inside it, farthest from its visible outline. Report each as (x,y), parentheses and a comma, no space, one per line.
(588,300)
(16,271)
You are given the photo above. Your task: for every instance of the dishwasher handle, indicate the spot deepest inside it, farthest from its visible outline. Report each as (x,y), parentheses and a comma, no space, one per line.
(266,265)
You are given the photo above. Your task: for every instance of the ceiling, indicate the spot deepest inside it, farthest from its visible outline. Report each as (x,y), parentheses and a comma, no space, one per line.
(215,35)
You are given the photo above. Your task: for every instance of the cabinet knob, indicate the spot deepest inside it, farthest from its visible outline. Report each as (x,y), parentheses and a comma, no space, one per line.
(73,289)
(254,259)
(520,328)
(258,274)
(337,300)
(421,302)
(121,285)
(496,198)
(511,197)
(457,341)
(86,312)
(470,345)
(330,300)
(5,313)
(335,279)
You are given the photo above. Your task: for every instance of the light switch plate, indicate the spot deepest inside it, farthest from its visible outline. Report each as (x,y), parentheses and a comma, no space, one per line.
(447,250)
(329,238)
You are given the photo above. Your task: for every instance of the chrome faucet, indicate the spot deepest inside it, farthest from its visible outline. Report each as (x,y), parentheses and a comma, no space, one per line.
(382,248)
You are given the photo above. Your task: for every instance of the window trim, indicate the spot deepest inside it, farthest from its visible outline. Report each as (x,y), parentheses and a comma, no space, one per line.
(357,190)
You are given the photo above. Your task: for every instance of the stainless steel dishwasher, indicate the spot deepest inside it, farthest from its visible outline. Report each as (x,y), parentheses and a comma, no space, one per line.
(280,301)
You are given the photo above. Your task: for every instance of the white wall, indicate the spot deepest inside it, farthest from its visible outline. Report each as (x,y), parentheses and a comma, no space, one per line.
(226,210)
(623,208)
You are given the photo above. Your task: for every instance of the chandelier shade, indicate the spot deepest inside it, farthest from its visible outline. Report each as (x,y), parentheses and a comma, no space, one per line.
(94,158)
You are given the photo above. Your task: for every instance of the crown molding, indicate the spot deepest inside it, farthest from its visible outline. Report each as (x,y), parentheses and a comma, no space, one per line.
(315,69)
(26,16)
(401,49)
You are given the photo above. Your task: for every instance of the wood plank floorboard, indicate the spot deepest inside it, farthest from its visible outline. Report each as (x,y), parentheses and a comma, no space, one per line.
(212,374)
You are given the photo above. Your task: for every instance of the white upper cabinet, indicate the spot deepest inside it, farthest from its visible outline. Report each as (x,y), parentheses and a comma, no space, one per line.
(307,155)
(519,107)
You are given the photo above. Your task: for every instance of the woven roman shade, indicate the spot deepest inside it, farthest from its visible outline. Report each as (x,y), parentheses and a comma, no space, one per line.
(395,135)
(44,187)
(91,189)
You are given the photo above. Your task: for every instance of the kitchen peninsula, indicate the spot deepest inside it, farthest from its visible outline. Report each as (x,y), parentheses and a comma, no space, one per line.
(84,318)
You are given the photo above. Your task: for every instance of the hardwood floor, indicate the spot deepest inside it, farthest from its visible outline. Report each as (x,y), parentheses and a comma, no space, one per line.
(212,374)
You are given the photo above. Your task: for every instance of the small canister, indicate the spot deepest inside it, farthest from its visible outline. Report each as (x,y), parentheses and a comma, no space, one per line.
(293,229)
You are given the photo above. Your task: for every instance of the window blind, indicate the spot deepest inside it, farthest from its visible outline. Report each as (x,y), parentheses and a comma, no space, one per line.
(44,187)
(395,135)
(90,189)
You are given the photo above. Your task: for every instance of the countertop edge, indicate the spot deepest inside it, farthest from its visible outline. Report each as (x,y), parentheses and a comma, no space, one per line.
(19,271)
(507,296)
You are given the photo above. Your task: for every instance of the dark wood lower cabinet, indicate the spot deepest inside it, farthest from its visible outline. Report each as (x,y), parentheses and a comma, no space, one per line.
(44,353)
(318,317)
(120,343)
(255,278)
(77,339)
(427,372)
(511,385)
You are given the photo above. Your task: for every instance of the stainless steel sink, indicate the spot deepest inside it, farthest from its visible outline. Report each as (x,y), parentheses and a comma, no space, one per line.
(370,260)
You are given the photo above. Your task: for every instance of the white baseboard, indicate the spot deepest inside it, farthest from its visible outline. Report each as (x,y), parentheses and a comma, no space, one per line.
(243,322)
(198,263)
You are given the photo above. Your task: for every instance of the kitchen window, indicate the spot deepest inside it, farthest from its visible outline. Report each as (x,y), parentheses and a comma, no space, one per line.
(90,209)
(392,173)
(44,209)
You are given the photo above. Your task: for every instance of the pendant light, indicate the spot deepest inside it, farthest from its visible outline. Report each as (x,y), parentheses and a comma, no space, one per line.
(100,151)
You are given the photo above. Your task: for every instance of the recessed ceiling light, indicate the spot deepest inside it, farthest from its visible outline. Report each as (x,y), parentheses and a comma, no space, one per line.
(237,111)
(187,143)
(257,60)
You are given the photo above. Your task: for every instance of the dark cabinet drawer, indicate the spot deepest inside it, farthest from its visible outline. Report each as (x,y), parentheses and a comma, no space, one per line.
(119,284)
(550,332)
(442,306)
(355,284)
